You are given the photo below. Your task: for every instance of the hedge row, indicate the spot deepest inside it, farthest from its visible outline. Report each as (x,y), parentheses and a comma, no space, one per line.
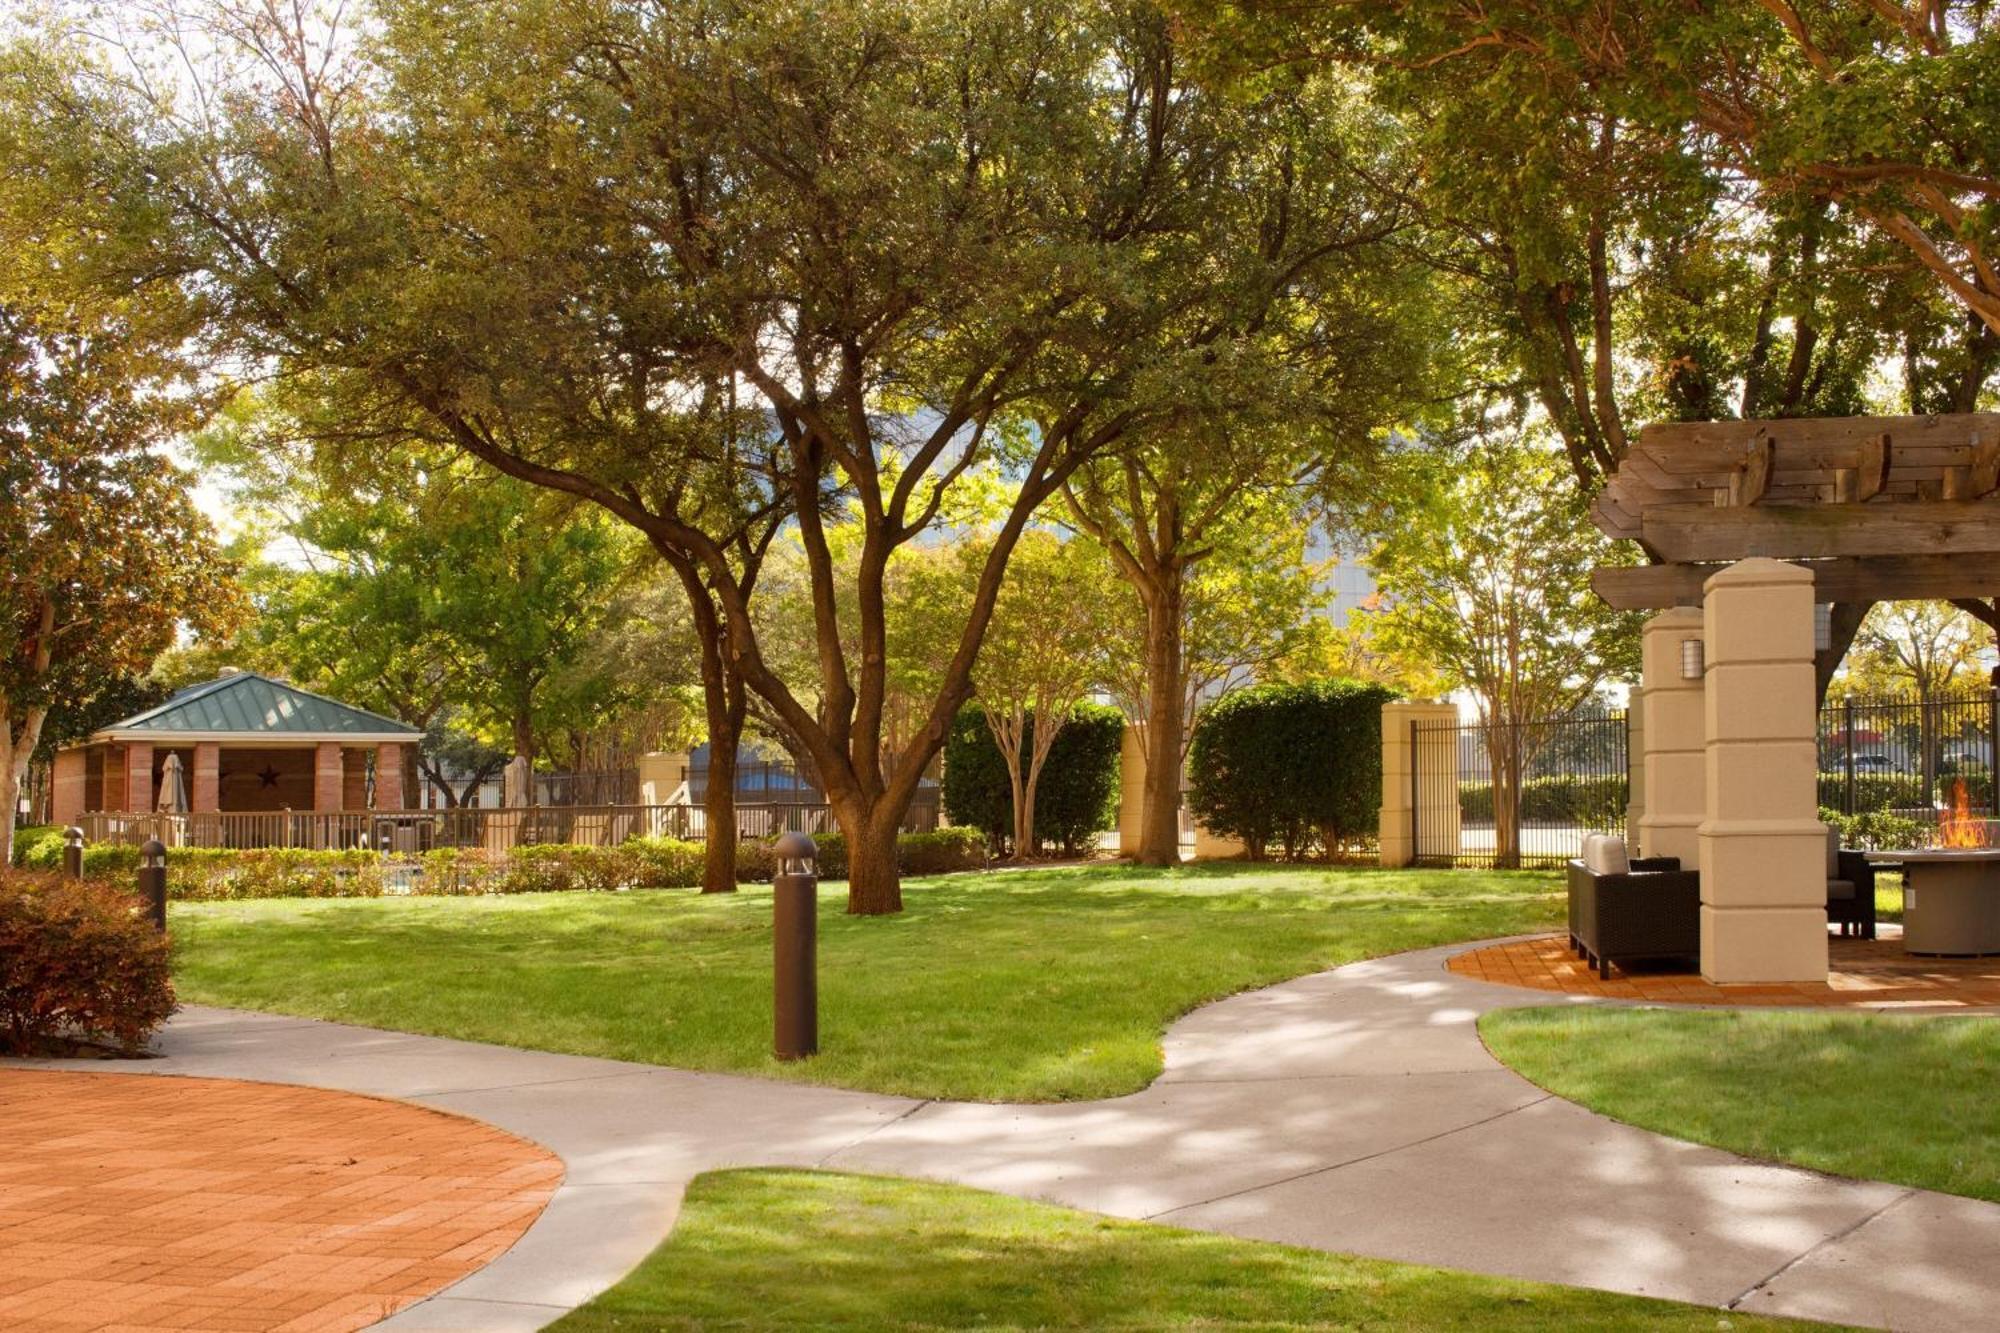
(200,874)
(1594,800)
(1873,831)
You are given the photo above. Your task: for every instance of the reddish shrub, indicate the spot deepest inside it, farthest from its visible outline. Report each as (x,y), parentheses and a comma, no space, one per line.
(79,961)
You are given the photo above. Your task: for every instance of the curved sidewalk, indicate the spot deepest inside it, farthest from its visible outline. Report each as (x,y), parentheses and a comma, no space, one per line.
(1354,1110)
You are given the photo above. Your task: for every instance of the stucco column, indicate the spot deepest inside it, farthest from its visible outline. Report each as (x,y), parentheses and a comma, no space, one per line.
(1131,791)
(326,776)
(1413,806)
(1635,772)
(205,787)
(1763,849)
(139,777)
(389,776)
(67,788)
(1674,736)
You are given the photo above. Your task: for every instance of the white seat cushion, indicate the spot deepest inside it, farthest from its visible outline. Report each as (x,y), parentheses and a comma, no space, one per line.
(1605,855)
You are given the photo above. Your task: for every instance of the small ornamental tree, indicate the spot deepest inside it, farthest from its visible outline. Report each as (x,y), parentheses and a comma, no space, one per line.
(1078,796)
(1290,765)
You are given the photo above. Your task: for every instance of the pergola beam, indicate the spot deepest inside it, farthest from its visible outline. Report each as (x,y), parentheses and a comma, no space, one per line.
(1693,532)
(1850,579)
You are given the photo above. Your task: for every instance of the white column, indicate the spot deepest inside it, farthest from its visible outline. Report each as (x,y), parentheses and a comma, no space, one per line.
(1763,849)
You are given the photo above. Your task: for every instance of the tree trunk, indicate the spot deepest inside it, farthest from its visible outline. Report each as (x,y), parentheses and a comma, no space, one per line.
(12,770)
(1017,790)
(1166,703)
(524,733)
(874,881)
(724,702)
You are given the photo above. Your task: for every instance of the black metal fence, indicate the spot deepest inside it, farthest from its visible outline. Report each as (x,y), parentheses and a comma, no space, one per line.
(1905,756)
(1516,794)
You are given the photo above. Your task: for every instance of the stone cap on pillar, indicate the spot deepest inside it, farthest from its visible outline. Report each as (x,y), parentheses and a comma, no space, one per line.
(1758,572)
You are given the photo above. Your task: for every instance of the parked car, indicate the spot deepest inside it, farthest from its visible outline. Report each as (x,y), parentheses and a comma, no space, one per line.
(1874,763)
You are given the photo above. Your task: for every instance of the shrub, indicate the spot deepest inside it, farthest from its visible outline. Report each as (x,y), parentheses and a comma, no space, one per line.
(80,961)
(217,874)
(1076,798)
(1873,831)
(1292,765)
(38,847)
(1596,801)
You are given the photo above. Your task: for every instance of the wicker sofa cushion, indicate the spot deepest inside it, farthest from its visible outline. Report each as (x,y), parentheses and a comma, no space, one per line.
(1840,890)
(1832,852)
(1605,855)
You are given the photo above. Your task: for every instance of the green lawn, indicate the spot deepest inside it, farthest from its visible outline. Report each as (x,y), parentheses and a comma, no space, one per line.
(1042,985)
(800,1249)
(1900,1098)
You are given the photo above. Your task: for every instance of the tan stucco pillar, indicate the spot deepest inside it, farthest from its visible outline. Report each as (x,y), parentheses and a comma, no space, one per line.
(1763,849)
(326,776)
(205,784)
(1214,847)
(1635,772)
(1433,810)
(389,776)
(660,775)
(1131,790)
(1674,736)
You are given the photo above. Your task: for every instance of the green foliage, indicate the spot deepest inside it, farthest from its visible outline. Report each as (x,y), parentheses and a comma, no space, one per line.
(1290,765)
(78,961)
(1593,801)
(31,846)
(1876,831)
(1078,795)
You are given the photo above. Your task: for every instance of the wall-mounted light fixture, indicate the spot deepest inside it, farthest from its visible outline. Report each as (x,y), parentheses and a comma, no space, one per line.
(1822,626)
(1692,665)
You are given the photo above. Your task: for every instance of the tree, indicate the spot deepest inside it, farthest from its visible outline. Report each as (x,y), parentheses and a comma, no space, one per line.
(920,236)
(103,556)
(1926,648)
(1488,582)
(1053,626)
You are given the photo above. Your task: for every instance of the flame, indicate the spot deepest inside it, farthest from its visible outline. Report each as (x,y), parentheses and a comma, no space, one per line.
(1956,826)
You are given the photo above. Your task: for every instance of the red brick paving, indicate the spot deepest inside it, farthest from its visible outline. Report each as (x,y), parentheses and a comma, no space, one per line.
(134,1204)
(1861,972)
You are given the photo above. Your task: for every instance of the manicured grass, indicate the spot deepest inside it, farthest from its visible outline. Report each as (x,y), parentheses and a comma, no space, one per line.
(1025,985)
(1900,1098)
(800,1249)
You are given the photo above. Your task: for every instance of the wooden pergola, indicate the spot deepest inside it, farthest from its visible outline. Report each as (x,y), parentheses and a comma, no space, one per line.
(1879,508)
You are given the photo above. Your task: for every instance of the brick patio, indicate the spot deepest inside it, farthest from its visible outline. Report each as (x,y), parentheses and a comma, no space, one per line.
(1864,973)
(133,1204)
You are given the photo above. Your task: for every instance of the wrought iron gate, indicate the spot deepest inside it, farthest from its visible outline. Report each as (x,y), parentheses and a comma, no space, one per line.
(1516,794)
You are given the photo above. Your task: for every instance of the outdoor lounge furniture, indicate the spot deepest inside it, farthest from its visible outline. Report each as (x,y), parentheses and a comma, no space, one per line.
(1850,889)
(1621,912)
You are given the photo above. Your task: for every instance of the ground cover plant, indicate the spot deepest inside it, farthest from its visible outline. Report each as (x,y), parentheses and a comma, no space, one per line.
(806,1249)
(1025,984)
(1878,1097)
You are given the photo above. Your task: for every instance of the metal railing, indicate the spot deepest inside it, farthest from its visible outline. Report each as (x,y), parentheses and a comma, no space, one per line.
(1903,755)
(415,831)
(1519,794)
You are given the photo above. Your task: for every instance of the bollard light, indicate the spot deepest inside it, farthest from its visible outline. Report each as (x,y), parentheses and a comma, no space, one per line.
(73,852)
(795,948)
(153,880)
(1692,666)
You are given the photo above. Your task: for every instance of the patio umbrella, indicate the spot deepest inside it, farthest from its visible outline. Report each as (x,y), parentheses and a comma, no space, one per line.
(173,787)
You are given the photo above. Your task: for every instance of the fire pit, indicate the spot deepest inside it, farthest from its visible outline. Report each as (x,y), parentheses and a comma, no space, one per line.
(1951,892)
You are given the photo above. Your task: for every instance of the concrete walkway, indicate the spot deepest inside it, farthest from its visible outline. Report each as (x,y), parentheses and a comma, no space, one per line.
(1355,1110)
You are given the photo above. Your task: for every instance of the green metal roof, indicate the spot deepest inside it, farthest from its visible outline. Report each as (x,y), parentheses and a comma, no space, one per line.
(245,703)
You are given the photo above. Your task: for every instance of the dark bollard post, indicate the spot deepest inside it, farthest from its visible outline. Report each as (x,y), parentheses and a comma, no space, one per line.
(73,852)
(795,935)
(153,879)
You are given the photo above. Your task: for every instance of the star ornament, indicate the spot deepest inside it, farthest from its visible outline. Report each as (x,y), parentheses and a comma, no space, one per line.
(269,777)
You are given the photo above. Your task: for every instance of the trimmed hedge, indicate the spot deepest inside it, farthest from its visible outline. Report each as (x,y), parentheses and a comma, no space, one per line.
(1076,798)
(199,874)
(1598,800)
(78,962)
(1297,766)
(33,841)
(1873,831)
